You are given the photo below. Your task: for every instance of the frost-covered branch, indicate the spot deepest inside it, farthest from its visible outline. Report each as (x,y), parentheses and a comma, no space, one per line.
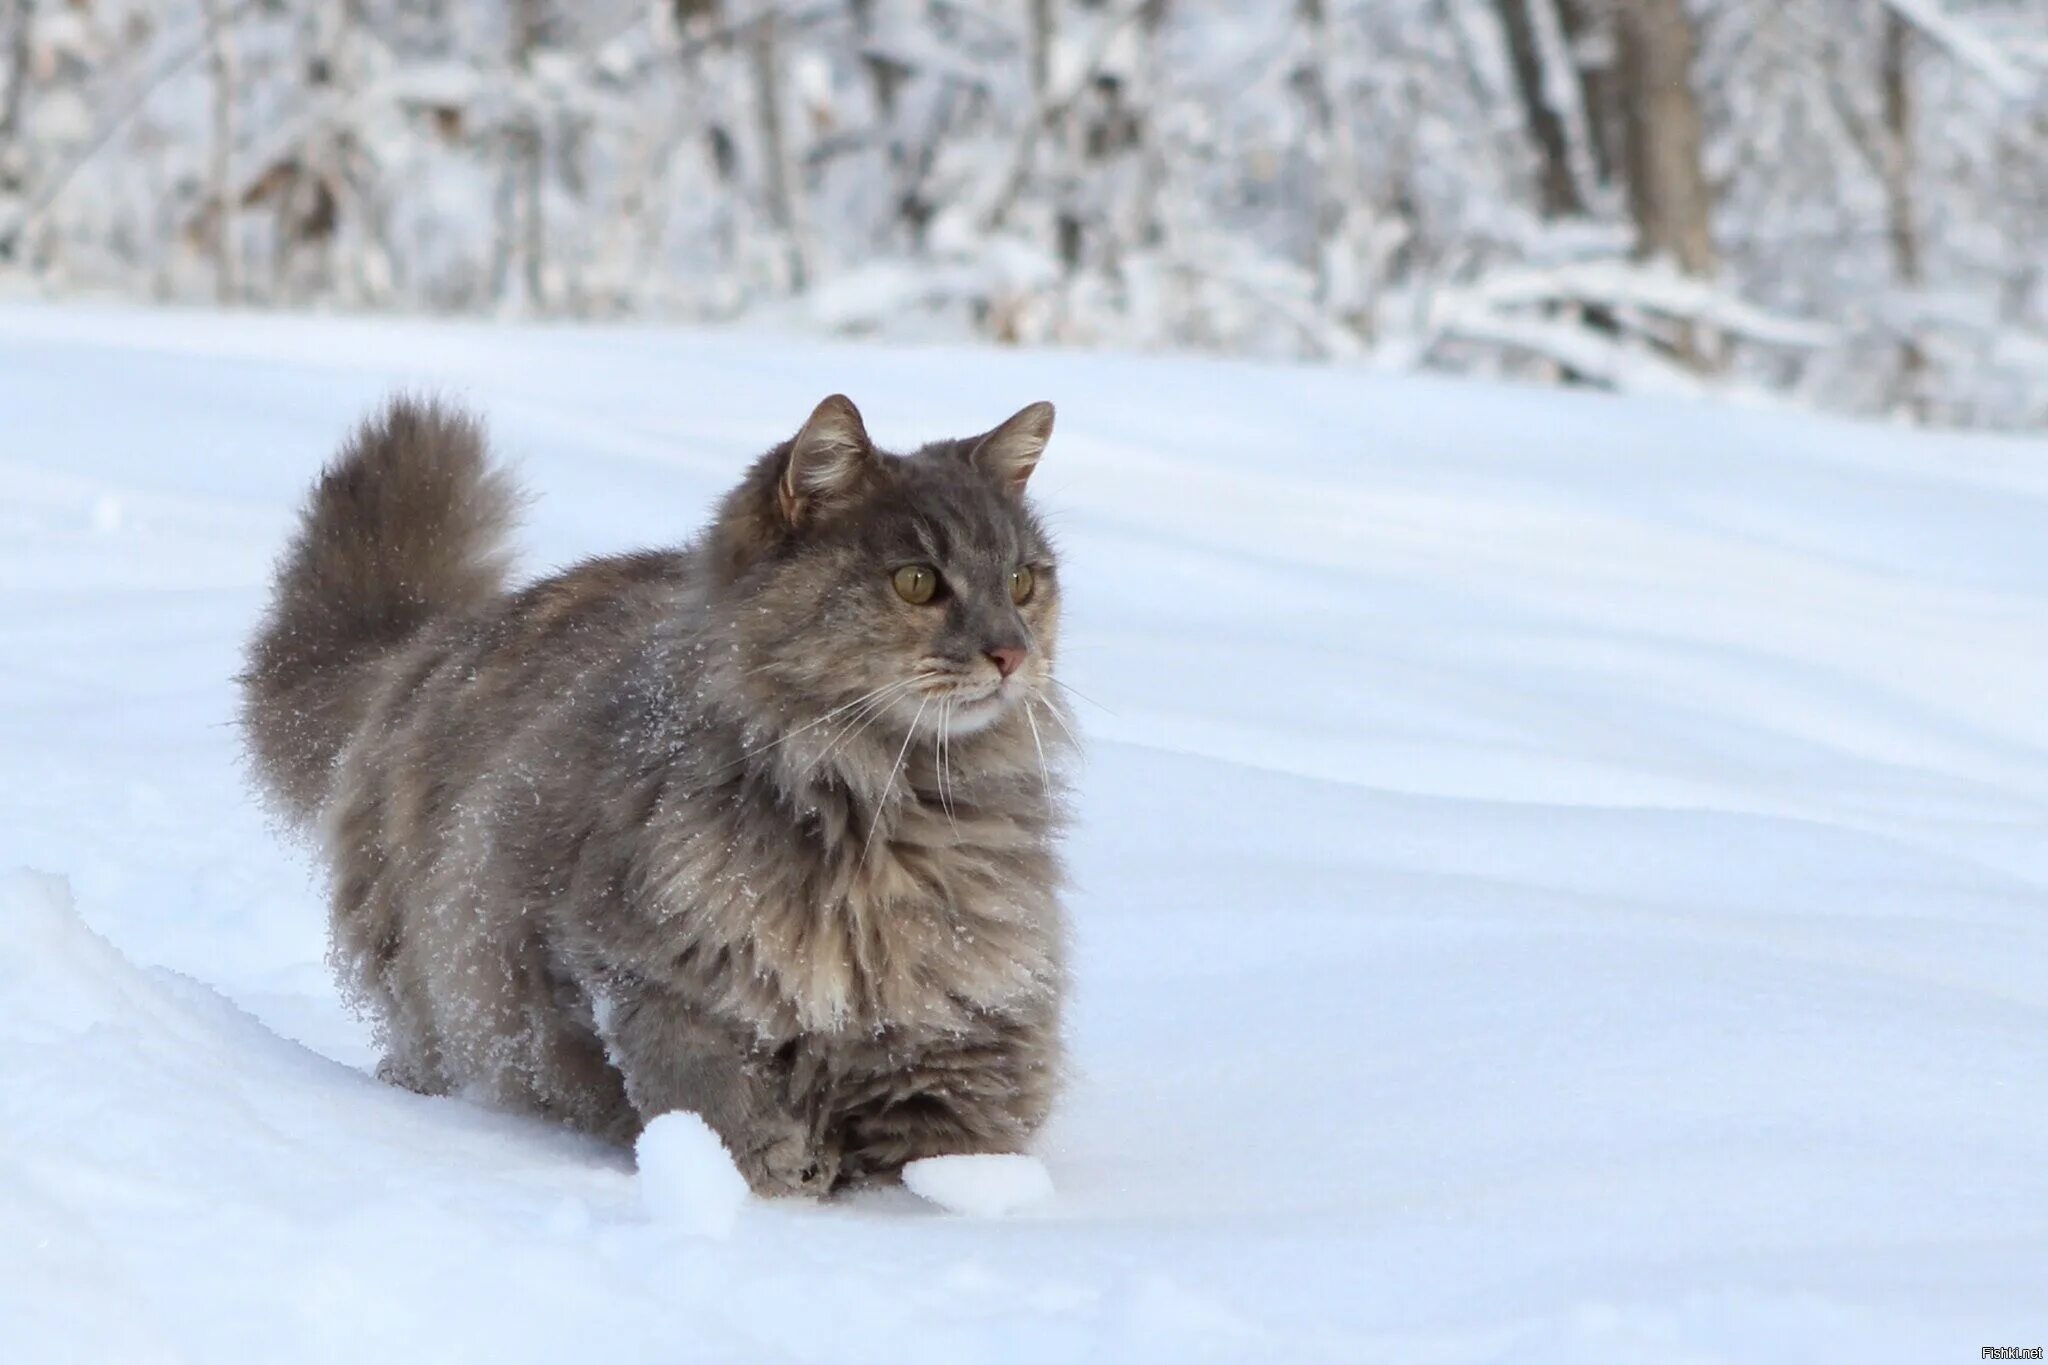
(1966,45)
(1850,191)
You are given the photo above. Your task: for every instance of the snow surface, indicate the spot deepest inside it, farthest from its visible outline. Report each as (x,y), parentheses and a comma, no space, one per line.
(984,1185)
(687,1177)
(1557,880)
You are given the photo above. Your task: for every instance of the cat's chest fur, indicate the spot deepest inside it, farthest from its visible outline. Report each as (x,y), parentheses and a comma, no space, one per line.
(832,919)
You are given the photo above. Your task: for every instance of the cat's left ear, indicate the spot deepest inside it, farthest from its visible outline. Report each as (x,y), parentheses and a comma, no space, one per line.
(1010,452)
(826,460)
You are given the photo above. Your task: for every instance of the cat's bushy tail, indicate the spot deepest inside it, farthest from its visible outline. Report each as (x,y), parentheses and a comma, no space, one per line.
(408,523)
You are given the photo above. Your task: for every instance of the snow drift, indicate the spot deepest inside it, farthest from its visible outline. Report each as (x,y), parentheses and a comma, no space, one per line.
(1558,879)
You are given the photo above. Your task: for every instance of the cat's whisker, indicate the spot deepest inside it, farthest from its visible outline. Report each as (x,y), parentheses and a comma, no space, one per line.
(1069,687)
(939,744)
(845,707)
(945,758)
(846,733)
(890,786)
(1054,712)
(951,682)
(1044,773)
(753,753)
(787,736)
(856,725)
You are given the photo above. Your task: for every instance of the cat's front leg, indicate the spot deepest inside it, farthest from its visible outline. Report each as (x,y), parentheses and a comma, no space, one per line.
(986,1092)
(675,1056)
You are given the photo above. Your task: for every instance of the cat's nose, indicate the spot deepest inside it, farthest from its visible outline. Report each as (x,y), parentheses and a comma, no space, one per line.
(1007,659)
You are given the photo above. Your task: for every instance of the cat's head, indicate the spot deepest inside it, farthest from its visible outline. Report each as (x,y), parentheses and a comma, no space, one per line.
(891,585)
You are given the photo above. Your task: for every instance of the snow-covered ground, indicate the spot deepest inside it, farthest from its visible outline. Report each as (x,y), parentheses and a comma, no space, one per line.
(1558,880)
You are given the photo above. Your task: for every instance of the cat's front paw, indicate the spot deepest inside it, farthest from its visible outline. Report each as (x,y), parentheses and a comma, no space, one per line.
(790,1164)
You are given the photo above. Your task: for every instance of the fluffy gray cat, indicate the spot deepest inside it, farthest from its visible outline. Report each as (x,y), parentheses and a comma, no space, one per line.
(762,827)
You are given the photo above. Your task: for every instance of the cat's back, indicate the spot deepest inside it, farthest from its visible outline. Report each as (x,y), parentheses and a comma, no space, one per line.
(464,706)
(576,620)
(547,635)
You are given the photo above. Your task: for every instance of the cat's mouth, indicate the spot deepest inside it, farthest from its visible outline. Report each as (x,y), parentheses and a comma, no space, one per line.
(964,705)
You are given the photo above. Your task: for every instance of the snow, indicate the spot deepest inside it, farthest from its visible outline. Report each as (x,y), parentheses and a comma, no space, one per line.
(982,1185)
(687,1178)
(1557,879)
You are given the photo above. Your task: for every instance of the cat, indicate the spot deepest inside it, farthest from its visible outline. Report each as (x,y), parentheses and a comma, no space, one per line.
(763,827)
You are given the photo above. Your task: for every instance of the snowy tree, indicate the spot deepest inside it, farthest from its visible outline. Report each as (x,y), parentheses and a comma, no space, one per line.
(1843,201)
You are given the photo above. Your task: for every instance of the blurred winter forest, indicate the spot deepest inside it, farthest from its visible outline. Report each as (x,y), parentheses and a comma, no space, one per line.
(1840,201)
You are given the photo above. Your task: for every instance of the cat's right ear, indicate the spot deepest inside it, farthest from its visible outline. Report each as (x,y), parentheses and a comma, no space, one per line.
(826,460)
(1011,451)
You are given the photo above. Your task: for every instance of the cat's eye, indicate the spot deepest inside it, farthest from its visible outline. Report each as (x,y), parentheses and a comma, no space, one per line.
(1022,584)
(915,583)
